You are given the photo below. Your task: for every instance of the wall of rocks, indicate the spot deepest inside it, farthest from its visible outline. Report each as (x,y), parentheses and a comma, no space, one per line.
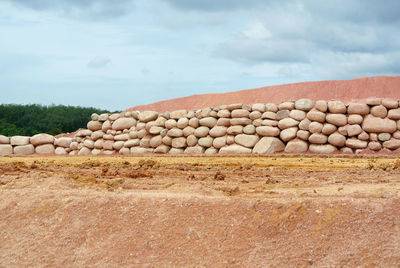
(292,127)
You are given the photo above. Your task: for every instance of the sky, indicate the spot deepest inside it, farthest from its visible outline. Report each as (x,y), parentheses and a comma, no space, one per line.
(118,54)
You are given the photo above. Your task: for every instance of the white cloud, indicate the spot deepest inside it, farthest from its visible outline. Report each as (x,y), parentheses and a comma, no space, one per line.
(257,31)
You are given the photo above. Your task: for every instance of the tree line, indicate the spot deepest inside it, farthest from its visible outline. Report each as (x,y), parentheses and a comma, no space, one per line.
(32,119)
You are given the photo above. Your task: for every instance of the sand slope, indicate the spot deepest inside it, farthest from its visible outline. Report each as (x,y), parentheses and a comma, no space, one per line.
(346,90)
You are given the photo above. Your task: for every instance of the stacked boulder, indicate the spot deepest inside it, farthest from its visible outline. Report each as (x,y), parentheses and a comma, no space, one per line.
(292,127)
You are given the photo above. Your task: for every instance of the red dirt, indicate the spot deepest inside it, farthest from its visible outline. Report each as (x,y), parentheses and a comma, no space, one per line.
(345,90)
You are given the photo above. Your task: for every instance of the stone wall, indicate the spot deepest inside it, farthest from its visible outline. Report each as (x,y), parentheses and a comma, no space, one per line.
(291,127)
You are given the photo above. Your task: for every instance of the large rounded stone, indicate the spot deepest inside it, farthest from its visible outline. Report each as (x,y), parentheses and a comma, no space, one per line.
(179,142)
(117,145)
(297,115)
(390,103)
(114,116)
(154,130)
(201,132)
(208,122)
(328,129)
(304,104)
(171,123)
(60,151)
(89,144)
(219,142)
(281,114)
(337,139)
(317,116)
(84,151)
(378,125)
(315,127)
(148,116)
(249,129)
(356,144)
(304,124)
(130,143)
(354,130)
(321,106)
(240,121)
(379,111)
(234,106)
(4,139)
(167,140)
(175,132)
(260,107)
(19,140)
(358,108)
(162,149)
(392,144)
(234,149)
(224,122)
(296,146)
(384,136)
(24,149)
(288,134)
(194,150)
(255,115)
(267,131)
(94,125)
(318,138)
(394,114)
(246,140)
(106,126)
(267,122)
(268,145)
(98,134)
(6,149)
(103,117)
(239,113)
(374,146)
(155,141)
(205,142)
(336,119)
(322,149)
(336,107)
(40,139)
(287,105)
(355,119)
(218,131)
(287,122)
(272,115)
(235,130)
(122,137)
(188,131)
(191,140)
(83,133)
(374,101)
(45,149)
(178,114)
(225,113)
(182,123)
(194,122)
(271,107)
(303,135)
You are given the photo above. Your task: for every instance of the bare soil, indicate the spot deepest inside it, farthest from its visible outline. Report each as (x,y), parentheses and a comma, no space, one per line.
(199,211)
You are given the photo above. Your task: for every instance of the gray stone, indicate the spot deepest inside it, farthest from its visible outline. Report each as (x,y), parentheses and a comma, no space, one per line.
(282,114)
(271,107)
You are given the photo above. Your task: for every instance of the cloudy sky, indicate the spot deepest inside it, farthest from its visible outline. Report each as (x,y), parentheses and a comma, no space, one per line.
(117,54)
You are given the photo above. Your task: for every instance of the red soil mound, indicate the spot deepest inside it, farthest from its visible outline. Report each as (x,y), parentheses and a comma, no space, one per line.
(346,90)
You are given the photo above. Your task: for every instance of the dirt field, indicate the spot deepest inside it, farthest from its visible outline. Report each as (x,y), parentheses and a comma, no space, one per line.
(197,211)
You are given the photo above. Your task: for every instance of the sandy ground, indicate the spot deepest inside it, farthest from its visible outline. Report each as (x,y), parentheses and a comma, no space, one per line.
(198,211)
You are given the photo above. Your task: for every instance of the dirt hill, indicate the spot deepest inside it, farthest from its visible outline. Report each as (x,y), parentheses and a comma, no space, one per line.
(346,90)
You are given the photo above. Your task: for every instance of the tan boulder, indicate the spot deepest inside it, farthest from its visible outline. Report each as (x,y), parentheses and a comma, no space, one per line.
(208,122)
(235,130)
(191,140)
(121,137)
(322,149)
(155,130)
(171,123)
(271,123)
(19,140)
(45,149)
(114,116)
(60,151)
(161,149)
(304,104)
(201,132)
(234,149)
(94,125)
(297,115)
(354,130)
(83,133)
(282,114)
(194,122)
(321,106)
(288,134)
(179,142)
(188,131)
(240,121)
(218,131)
(384,136)
(89,144)
(268,145)
(123,123)
(182,123)
(211,151)
(390,103)
(260,107)
(255,115)
(24,149)
(224,122)
(219,142)
(249,129)
(296,146)
(374,101)
(287,122)
(4,139)
(354,119)
(98,134)
(178,114)
(84,151)
(246,140)
(103,117)
(392,144)
(267,131)
(175,132)
(303,135)
(379,111)
(364,136)
(356,144)
(315,127)
(378,125)
(239,113)
(225,113)
(287,105)
(374,146)
(155,141)
(336,119)
(42,138)
(328,129)
(318,138)
(194,150)
(337,139)
(271,107)
(106,126)
(205,141)
(315,115)
(148,116)
(336,107)
(358,108)
(272,115)
(304,124)
(394,114)
(6,149)
(130,143)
